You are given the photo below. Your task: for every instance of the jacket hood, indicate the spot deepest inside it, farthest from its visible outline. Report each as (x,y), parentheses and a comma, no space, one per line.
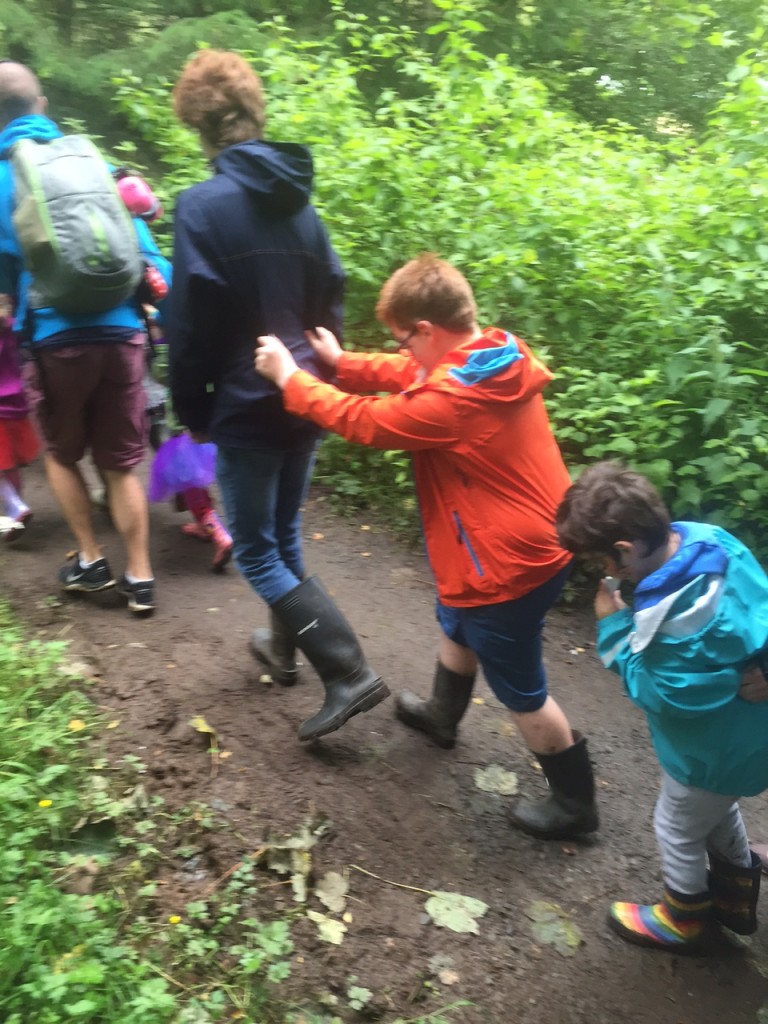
(277,174)
(499,367)
(699,554)
(31,126)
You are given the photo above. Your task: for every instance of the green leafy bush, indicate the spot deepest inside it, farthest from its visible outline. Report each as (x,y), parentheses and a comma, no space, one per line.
(638,268)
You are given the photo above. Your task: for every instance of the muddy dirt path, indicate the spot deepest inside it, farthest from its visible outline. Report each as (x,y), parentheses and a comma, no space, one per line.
(399,807)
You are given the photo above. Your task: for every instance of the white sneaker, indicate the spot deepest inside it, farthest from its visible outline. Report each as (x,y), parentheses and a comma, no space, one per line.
(10,529)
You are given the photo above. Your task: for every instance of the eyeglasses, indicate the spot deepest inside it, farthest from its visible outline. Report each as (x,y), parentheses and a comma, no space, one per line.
(404,342)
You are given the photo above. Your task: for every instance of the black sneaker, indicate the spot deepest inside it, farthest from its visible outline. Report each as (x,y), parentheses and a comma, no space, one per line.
(97,576)
(140,595)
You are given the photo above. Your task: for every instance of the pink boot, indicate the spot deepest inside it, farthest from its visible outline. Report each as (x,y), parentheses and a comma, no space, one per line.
(196,530)
(222,542)
(207,525)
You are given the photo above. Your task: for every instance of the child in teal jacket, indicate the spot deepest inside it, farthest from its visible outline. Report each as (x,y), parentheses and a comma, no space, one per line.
(699,619)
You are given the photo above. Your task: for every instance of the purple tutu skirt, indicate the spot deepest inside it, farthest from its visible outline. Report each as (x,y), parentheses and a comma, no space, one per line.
(180,463)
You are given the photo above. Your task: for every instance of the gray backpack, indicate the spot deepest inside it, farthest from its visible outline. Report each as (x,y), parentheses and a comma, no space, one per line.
(75,234)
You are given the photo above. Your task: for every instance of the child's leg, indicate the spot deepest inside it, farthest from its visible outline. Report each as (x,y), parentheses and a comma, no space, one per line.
(685,819)
(728,839)
(734,874)
(100,495)
(207,525)
(15,507)
(198,501)
(682,920)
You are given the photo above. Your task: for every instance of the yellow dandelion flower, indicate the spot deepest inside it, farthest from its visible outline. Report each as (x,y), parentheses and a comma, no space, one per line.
(174,919)
(44,803)
(76,724)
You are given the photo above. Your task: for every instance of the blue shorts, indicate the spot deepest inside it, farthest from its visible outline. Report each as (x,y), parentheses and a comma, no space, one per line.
(506,638)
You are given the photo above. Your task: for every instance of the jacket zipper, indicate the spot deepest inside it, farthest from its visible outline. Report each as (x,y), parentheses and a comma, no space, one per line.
(464,539)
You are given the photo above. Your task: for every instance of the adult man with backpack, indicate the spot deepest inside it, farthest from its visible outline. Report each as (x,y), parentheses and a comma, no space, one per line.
(72,259)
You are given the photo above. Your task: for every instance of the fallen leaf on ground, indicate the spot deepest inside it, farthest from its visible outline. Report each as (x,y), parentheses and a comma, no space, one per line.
(553,927)
(328,929)
(299,886)
(331,890)
(199,724)
(495,779)
(454,911)
(79,669)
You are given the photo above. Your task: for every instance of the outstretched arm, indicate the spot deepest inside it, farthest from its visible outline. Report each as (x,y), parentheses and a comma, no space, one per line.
(410,422)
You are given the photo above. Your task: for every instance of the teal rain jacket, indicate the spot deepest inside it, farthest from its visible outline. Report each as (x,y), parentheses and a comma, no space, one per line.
(696,623)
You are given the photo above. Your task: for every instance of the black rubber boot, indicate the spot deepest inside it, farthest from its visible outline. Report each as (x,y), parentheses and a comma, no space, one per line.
(275,649)
(312,621)
(570,809)
(439,716)
(735,892)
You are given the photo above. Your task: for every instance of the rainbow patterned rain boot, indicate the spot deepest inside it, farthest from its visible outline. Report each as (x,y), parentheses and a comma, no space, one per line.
(678,924)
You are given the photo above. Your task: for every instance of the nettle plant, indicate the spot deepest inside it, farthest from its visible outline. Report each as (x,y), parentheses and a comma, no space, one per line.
(639,268)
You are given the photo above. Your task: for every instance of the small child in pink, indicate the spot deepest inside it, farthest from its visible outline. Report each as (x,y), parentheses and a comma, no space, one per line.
(187,484)
(191,493)
(19,444)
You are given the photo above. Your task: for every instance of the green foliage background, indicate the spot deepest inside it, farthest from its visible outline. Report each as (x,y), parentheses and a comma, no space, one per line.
(605,194)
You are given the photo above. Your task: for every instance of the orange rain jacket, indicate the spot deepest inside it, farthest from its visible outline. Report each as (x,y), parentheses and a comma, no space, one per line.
(489,474)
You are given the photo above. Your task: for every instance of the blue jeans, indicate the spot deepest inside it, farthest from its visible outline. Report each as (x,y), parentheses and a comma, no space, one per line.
(262,491)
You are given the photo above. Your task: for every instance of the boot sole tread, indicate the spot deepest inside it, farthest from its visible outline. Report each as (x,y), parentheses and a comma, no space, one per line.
(700,947)
(576,832)
(81,588)
(364,703)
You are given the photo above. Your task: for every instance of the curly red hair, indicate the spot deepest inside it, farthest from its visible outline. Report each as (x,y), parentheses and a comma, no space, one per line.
(220,96)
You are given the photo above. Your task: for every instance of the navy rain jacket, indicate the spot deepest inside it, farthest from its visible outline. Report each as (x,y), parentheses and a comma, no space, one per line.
(251,257)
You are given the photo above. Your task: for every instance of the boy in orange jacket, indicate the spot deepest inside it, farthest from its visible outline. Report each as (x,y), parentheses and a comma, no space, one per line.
(467,403)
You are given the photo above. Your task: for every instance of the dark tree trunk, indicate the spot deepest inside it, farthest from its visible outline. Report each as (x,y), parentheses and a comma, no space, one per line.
(64,15)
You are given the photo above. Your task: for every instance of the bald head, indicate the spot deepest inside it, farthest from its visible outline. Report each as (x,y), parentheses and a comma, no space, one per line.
(20,92)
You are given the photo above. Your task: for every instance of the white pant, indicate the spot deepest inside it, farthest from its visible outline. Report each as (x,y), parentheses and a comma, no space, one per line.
(689,822)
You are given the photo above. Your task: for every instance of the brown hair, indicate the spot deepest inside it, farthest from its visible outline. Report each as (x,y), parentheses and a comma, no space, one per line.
(427,288)
(609,503)
(220,96)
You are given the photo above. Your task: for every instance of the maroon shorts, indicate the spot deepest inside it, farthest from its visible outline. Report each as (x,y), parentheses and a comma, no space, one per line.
(91,397)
